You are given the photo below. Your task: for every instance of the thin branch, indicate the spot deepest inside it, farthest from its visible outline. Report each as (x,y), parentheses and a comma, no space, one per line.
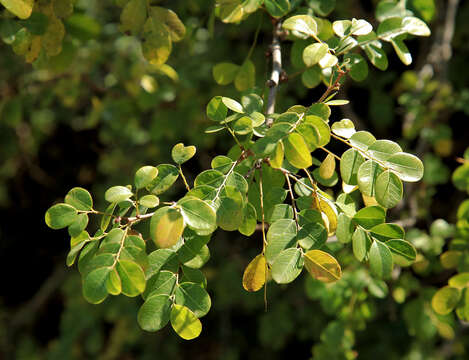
(274,80)
(333,87)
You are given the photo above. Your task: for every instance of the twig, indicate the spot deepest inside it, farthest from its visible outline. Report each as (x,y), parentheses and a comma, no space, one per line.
(274,80)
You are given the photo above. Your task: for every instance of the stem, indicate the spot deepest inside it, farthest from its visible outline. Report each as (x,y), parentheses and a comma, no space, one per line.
(333,87)
(292,201)
(329,152)
(274,80)
(256,35)
(183,178)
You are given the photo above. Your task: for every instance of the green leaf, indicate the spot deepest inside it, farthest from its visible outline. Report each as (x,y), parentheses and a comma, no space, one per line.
(181,153)
(357,65)
(281,235)
(60,215)
(390,28)
(231,210)
(162,283)
(459,281)
(303,24)
(213,178)
(445,300)
(389,189)
(322,7)
(344,229)
(80,199)
(342,27)
(167,175)
(170,20)
(277,8)
(362,140)
(221,163)
(313,53)
(360,27)
(133,16)
(246,77)
(385,232)
(166,227)
(366,177)
(20,8)
(94,285)
(408,167)
(194,275)
(415,26)
(297,152)
(156,45)
(198,215)
(132,277)
(154,313)
(319,110)
(254,275)
(311,77)
(144,176)
(344,128)
(287,266)
(232,105)
(376,55)
(117,194)
(194,297)
(401,50)
(361,244)
(279,211)
(322,266)
(350,162)
(78,225)
(224,74)
(113,283)
(380,260)
(216,109)
(327,168)
(161,259)
(149,201)
(383,149)
(327,61)
(184,322)
(403,252)
(106,219)
(312,236)
(370,216)
(76,244)
(248,225)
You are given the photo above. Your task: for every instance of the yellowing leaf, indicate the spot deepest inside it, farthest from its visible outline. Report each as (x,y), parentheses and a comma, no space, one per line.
(276,160)
(297,152)
(322,266)
(184,322)
(157,45)
(327,168)
(21,8)
(166,227)
(254,275)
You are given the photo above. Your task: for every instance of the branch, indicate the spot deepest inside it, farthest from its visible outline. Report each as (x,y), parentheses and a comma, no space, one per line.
(274,80)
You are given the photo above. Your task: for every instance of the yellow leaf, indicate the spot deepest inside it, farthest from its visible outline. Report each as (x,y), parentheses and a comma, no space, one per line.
(21,8)
(327,168)
(34,49)
(369,200)
(297,152)
(328,210)
(254,275)
(167,226)
(322,266)
(277,159)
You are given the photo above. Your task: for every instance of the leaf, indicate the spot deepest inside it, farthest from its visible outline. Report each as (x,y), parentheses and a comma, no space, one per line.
(20,8)
(327,168)
(198,215)
(390,28)
(383,149)
(144,176)
(357,65)
(402,51)
(161,259)
(167,175)
(344,228)
(170,20)
(166,227)
(312,235)
(344,128)
(385,232)
(248,225)
(149,201)
(116,194)
(213,178)
(133,16)
(408,167)
(322,7)
(287,266)
(276,161)
(322,266)
(113,283)
(361,244)
(281,235)
(350,162)
(327,61)
(313,53)
(162,283)
(224,73)
(154,313)
(303,24)
(78,225)
(360,27)
(376,55)
(403,252)
(445,300)
(254,274)
(459,281)
(76,244)
(60,216)
(389,189)
(132,277)
(216,109)
(94,285)
(297,152)
(277,8)
(342,27)
(311,77)
(194,297)
(80,199)
(366,177)
(415,26)
(185,323)
(246,77)
(380,260)
(230,212)
(362,140)
(106,219)
(181,153)
(370,216)
(156,45)
(232,105)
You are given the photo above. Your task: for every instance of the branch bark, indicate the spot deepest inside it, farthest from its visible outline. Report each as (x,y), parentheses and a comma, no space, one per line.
(274,81)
